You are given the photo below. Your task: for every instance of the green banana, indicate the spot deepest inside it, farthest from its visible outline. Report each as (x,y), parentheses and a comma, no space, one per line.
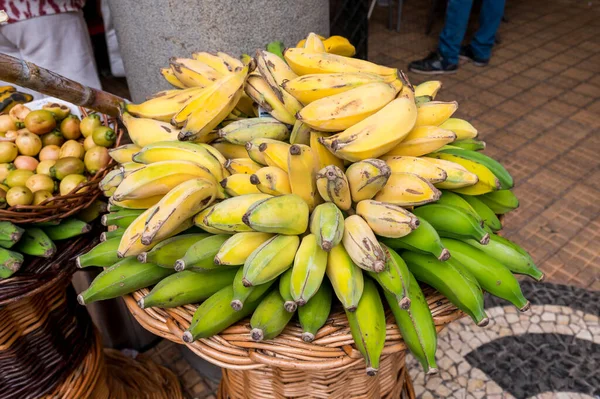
(515,258)
(10,233)
(315,313)
(469,144)
(346,278)
(451,279)
(484,212)
(277,48)
(186,287)
(270,317)
(367,325)
(453,222)
(107,235)
(68,228)
(121,218)
(505,179)
(308,271)
(394,278)
(285,283)
(10,262)
(268,261)
(243,294)
(424,239)
(167,252)
(416,325)
(491,275)
(327,224)
(214,315)
(103,254)
(122,278)
(501,201)
(92,212)
(201,255)
(452,199)
(35,242)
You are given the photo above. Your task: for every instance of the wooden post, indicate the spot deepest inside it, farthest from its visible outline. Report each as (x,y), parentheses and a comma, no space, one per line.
(31,76)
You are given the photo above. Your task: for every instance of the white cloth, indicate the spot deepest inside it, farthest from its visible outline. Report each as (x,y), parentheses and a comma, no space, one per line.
(58,42)
(112,44)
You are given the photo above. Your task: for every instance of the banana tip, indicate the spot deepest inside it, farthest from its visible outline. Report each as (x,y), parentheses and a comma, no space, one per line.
(179,265)
(351,308)
(485,239)
(80,299)
(142,257)
(104,220)
(246,283)
(432,370)
(290,306)
(236,305)
(295,150)
(379,266)
(102,237)
(254,180)
(525,307)
(484,322)
(257,334)
(542,277)
(404,303)
(445,255)
(301,302)
(326,246)
(78,263)
(141,303)
(308,337)
(371,371)
(187,337)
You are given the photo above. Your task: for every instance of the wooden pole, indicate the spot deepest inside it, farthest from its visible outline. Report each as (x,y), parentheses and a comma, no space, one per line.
(31,76)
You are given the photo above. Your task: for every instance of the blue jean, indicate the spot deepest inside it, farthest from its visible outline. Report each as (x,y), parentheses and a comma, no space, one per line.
(457,19)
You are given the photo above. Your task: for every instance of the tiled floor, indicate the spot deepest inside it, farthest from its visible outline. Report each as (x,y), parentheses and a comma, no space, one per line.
(537,106)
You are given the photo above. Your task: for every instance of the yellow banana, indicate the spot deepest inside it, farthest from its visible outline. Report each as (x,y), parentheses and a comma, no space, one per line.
(300,133)
(239,247)
(163,108)
(323,156)
(259,90)
(362,246)
(366,178)
(170,77)
(314,44)
(276,71)
(242,166)
(145,131)
(487,181)
(193,73)
(231,61)
(244,130)
(111,180)
(303,41)
(387,220)
(270,259)
(434,113)
(275,153)
(457,176)
(271,180)
(341,111)
(142,203)
(406,189)
(417,166)
(201,223)
(429,89)
(345,277)
(339,45)
(230,151)
(422,140)
(284,214)
(123,153)
(213,61)
(308,271)
(302,174)
(463,129)
(327,224)
(239,184)
(333,187)
(227,215)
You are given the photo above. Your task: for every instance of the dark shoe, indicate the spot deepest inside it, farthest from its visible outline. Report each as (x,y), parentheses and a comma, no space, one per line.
(433,64)
(466,53)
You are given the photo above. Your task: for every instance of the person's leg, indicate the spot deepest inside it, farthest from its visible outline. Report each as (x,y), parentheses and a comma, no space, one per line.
(489,22)
(455,26)
(58,42)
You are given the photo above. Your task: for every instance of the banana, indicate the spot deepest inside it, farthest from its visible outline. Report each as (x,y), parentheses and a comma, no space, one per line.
(417,166)
(243,294)
(253,151)
(387,220)
(275,153)
(313,87)
(345,276)
(231,61)
(453,280)
(300,133)
(276,47)
(170,77)
(103,254)
(366,178)
(468,144)
(429,89)
(201,154)
(122,278)
(394,278)
(68,228)
(230,151)
(186,288)
(178,205)
(462,129)
(341,111)
(270,318)
(457,176)
(167,252)
(487,181)
(162,108)
(130,167)
(241,166)
(284,214)
(434,113)
(214,315)
(416,325)
(124,153)
(485,213)
(35,242)
(130,243)
(145,131)
(453,199)
(107,235)
(339,45)
(140,203)
(422,140)
(306,276)
(270,259)
(214,61)
(367,325)
(314,314)
(111,180)
(193,73)
(302,174)
(122,218)
(327,224)
(245,130)
(304,62)
(334,187)
(377,134)
(323,156)
(239,247)
(159,178)
(10,232)
(92,212)
(200,256)
(236,185)
(10,262)
(201,223)
(259,90)
(406,189)
(285,284)
(424,239)
(515,258)
(501,201)
(362,246)
(314,44)
(452,222)
(505,179)
(271,180)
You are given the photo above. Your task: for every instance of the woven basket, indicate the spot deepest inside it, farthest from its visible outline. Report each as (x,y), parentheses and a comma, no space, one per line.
(63,206)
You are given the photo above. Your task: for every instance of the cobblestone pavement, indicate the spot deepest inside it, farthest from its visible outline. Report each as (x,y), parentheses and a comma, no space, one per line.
(537,106)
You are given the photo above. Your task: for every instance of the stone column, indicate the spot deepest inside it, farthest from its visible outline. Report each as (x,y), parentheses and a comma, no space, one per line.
(152,31)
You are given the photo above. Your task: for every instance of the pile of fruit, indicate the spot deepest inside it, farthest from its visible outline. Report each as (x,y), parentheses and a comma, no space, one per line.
(263,186)
(48,152)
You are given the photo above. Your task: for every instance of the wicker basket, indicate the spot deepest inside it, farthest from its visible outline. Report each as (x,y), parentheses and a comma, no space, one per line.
(63,206)
(289,367)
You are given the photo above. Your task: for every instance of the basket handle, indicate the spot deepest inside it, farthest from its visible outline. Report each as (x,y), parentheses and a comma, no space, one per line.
(31,76)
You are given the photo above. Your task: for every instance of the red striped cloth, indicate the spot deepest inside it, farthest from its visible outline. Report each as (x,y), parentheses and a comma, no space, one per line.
(19,10)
